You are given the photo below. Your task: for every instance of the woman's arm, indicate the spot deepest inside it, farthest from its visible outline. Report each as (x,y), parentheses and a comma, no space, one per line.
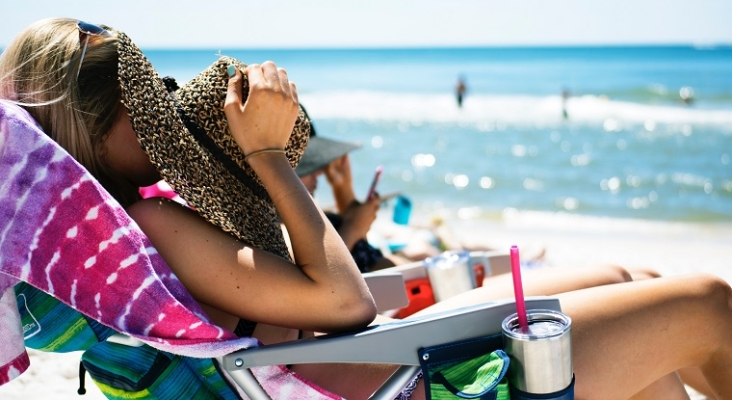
(324,291)
(340,179)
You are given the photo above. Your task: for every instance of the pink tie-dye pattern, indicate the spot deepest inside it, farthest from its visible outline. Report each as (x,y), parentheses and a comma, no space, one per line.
(61,232)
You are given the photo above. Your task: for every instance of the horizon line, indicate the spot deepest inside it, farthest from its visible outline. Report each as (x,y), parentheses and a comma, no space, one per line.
(701,46)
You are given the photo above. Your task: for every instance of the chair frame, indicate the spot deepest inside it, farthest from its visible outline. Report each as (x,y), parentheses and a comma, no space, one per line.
(398,341)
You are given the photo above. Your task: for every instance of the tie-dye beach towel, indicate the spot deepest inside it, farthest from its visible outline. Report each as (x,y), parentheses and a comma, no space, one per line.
(62,233)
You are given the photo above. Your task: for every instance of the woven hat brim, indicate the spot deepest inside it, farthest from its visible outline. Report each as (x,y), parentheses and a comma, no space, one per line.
(214,180)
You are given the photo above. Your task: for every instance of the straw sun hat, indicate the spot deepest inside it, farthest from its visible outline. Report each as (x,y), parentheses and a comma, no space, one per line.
(187,138)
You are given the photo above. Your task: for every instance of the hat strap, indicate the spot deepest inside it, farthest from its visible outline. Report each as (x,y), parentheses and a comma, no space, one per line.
(229,164)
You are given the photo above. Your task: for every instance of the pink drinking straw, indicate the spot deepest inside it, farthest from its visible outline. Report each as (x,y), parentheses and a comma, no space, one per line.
(518,289)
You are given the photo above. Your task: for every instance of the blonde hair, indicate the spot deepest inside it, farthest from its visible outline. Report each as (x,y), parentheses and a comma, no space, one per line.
(38,71)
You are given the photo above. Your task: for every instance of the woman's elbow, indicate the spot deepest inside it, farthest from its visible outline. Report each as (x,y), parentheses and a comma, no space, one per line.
(368,311)
(357,314)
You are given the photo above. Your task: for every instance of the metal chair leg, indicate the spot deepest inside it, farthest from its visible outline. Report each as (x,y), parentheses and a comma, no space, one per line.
(396,382)
(249,384)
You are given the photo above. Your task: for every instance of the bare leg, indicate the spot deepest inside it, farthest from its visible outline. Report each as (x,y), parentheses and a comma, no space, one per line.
(339,378)
(540,282)
(351,381)
(626,337)
(627,340)
(555,281)
(669,387)
(694,378)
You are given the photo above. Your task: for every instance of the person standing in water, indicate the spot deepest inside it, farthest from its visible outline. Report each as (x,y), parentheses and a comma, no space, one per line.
(460,90)
(565,97)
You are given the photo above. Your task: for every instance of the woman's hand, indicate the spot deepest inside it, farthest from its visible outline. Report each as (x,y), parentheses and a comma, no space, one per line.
(266,119)
(357,220)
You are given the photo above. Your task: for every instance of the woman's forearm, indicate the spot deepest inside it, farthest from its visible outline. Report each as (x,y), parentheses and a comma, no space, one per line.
(317,247)
(327,282)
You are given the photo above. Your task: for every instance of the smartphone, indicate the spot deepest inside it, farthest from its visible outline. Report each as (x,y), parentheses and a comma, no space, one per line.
(377,175)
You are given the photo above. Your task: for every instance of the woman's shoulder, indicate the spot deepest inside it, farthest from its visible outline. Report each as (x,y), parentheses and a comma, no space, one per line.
(173,227)
(158,213)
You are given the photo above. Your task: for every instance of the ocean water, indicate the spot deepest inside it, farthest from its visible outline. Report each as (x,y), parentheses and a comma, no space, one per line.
(629,147)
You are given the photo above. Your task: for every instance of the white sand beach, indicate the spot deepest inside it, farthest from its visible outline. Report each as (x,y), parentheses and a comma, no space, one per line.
(671,248)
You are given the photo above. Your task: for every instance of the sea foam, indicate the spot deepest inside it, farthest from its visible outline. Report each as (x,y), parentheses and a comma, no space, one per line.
(489,110)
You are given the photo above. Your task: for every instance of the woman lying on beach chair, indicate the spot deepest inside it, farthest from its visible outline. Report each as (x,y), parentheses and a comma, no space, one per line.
(228,144)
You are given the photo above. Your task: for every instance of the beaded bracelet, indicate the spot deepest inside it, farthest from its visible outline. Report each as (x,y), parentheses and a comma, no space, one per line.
(258,152)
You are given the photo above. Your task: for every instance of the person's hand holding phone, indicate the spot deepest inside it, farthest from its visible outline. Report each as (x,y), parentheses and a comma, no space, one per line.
(357,220)
(374,182)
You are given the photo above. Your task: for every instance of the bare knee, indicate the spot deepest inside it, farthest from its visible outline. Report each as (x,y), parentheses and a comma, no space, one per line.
(709,298)
(713,290)
(716,296)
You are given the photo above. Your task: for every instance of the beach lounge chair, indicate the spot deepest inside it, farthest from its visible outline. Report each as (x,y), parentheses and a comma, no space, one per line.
(397,343)
(76,271)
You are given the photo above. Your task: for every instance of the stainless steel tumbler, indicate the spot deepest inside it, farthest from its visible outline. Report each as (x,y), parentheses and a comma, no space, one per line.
(541,356)
(450,274)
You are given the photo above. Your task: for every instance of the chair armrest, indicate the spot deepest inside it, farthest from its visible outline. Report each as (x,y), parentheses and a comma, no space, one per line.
(388,290)
(414,270)
(391,343)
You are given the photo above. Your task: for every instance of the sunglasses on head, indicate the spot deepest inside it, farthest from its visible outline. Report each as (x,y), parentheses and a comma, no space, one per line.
(85,30)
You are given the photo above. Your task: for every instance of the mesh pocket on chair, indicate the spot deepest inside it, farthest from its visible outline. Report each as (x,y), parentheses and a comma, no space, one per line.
(471,369)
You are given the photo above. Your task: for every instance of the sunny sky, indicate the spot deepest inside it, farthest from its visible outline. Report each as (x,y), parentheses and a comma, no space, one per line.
(390,23)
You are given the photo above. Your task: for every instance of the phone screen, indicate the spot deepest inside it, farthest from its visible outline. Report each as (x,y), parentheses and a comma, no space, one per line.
(374,181)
